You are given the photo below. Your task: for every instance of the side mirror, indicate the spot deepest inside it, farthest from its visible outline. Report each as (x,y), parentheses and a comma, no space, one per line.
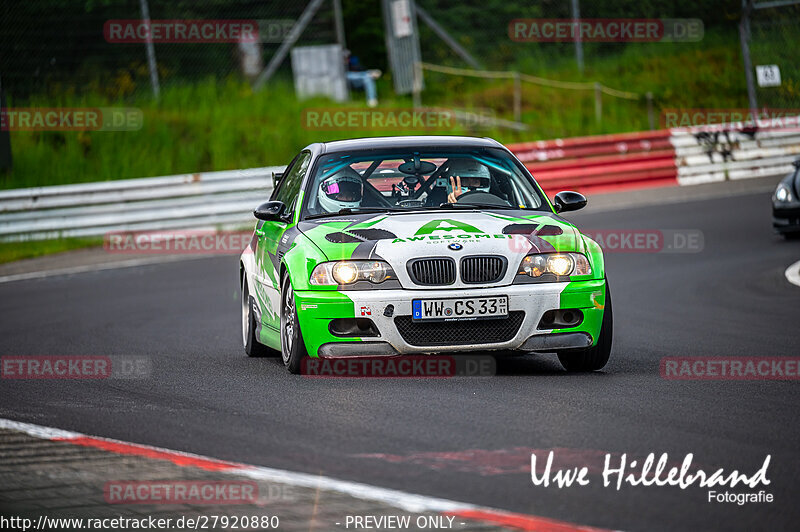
(276,178)
(270,211)
(568,200)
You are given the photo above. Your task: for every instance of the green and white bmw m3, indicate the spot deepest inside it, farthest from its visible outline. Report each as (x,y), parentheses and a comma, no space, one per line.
(420,245)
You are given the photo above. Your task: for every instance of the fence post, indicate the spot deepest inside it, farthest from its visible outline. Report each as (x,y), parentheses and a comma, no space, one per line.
(576,19)
(744,38)
(598,103)
(651,119)
(517,98)
(339,23)
(288,42)
(151,52)
(416,86)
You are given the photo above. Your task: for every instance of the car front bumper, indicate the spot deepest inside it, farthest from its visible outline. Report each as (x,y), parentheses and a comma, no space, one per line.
(390,311)
(786,217)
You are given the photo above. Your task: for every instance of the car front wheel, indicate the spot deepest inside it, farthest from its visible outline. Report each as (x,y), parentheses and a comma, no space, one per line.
(293,349)
(596,357)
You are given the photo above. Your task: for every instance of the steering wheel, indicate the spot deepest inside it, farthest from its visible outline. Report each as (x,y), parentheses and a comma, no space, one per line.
(479,196)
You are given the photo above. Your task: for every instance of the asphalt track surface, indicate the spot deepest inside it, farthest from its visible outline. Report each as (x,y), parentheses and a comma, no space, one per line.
(466,439)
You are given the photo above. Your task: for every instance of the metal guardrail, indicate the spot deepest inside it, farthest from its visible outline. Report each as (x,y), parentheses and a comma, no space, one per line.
(707,157)
(225,200)
(601,162)
(679,156)
(211,199)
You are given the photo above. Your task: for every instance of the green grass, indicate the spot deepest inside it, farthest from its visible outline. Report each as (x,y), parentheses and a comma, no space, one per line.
(215,125)
(706,74)
(11,251)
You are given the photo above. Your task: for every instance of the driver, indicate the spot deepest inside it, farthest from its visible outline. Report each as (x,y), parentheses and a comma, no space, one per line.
(342,190)
(467,175)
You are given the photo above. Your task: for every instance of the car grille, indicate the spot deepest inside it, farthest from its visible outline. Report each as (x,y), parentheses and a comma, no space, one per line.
(433,272)
(482,269)
(471,332)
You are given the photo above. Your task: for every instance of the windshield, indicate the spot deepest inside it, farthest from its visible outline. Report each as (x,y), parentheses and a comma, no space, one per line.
(407,180)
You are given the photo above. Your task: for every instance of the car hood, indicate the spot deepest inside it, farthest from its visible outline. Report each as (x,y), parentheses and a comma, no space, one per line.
(399,237)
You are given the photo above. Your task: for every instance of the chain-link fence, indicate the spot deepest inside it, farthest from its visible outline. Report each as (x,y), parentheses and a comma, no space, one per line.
(52,46)
(774,35)
(586,87)
(482,26)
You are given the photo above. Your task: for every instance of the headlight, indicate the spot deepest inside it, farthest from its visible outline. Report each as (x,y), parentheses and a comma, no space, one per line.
(783,193)
(533,265)
(559,264)
(374,272)
(345,272)
(350,271)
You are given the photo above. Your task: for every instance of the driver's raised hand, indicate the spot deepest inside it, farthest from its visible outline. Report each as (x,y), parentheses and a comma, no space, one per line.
(452,197)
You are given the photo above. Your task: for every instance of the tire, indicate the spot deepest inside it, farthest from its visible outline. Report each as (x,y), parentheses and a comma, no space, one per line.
(293,349)
(596,357)
(252,346)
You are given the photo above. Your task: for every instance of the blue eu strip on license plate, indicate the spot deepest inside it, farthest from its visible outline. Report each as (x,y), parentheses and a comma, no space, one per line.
(416,308)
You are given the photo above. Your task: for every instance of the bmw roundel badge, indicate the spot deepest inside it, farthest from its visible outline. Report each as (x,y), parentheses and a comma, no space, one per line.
(455,247)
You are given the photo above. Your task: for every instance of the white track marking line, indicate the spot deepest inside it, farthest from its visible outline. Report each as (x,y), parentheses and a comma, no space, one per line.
(38,431)
(98,267)
(793,273)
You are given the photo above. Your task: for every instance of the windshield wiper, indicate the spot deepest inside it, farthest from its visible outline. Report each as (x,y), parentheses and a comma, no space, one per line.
(354,210)
(477,206)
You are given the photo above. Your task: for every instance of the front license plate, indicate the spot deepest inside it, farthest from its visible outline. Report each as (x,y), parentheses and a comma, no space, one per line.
(466,308)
